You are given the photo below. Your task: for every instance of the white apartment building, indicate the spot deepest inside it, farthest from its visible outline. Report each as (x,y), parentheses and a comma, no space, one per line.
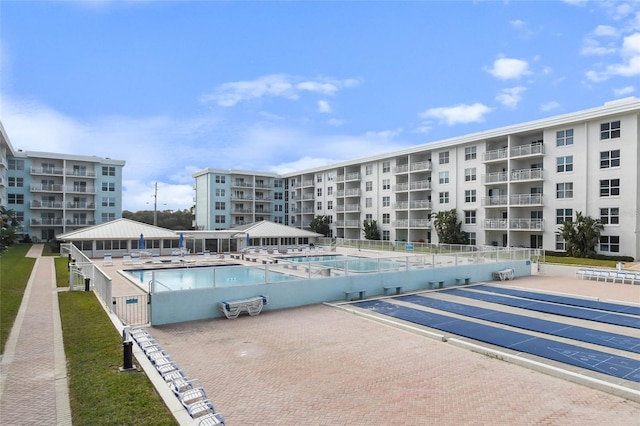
(52,193)
(511,186)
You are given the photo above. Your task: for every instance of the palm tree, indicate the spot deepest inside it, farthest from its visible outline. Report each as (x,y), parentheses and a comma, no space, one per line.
(582,236)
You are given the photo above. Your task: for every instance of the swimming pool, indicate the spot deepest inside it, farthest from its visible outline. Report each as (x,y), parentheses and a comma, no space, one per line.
(170,279)
(352,263)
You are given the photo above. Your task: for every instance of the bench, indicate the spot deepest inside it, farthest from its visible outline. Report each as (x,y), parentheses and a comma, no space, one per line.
(505,274)
(466,280)
(251,258)
(349,293)
(397,289)
(267,261)
(252,306)
(433,283)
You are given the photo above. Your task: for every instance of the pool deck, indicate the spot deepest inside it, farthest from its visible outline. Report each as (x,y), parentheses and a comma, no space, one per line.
(317,365)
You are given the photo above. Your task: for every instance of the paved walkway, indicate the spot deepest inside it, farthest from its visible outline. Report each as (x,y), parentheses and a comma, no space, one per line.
(33,375)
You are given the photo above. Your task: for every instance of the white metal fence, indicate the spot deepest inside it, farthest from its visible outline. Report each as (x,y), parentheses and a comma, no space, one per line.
(81,269)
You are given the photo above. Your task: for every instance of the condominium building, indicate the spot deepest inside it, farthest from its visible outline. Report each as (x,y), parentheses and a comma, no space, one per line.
(56,193)
(511,186)
(6,150)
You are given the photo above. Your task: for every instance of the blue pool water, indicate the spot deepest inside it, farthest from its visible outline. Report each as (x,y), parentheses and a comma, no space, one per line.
(170,279)
(354,264)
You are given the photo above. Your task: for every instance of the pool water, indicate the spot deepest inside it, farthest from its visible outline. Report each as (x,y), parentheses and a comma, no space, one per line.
(170,279)
(354,264)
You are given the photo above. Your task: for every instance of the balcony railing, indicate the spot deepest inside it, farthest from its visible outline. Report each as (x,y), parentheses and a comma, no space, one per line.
(514,224)
(46,204)
(47,188)
(47,222)
(352,192)
(352,176)
(525,199)
(526,150)
(241,211)
(401,205)
(496,177)
(241,197)
(347,223)
(307,182)
(421,204)
(241,184)
(400,187)
(498,200)
(412,223)
(421,184)
(307,196)
(526,174)
(494,224)
(81,222)
(80,173)
(53,171)
(84,206)
(421,166)
(498,154)
(402,168)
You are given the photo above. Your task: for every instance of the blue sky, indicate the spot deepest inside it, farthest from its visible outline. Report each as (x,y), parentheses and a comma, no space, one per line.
(175,87)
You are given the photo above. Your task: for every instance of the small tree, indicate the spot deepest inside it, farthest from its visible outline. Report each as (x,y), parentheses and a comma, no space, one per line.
(320,225)
(371,231)
(448,228)
(582,236)
(8,225)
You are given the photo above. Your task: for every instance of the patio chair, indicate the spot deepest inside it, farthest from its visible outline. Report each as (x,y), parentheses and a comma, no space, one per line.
(108,260)
(211,419)
(156,259)
(126,259)
(191,396)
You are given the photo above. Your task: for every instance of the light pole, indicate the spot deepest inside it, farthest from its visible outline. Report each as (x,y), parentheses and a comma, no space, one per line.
(155,205)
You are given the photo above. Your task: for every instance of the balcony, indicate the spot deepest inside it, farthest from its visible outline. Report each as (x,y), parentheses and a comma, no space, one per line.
(241,211)
(526,200)
(307,196)
(496,155)
(401,187)
(497,177)
(534,149)
(241,197)
(241,184)
(80,189)
(401,205)
(47,188)
(412,223)
(421,205)
(80,173)
(352,176)
(348,208)
(352,192)
(496,201)
(526,174)
(47,171)
(80,222)
(402,168)
(421,184)
(263,186)
(495,224)
(421,166)
(46,204)
(46,222)
(347,223)
(306,183)
(526,224)
(81,206)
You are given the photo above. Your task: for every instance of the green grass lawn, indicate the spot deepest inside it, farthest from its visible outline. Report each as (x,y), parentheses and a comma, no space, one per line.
(15,270)
(574,261)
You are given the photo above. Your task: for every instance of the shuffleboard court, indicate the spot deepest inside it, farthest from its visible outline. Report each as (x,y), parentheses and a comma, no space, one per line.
(551,308)
(583,334)
(565,300)
(598,361)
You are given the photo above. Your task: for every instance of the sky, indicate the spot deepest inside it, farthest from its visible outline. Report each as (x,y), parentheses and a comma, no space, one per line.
(173,87)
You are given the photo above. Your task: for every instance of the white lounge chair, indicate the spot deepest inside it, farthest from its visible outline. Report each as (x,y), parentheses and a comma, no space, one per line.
(108,260)
(126,259)
(156,259)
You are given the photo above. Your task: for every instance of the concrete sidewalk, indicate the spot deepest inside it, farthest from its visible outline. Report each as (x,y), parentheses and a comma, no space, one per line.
(33,374)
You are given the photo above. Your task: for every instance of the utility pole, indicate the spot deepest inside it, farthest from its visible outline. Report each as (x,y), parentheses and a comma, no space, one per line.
(155,205)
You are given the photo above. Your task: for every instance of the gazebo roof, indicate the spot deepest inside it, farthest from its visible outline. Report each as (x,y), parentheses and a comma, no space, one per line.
(267,229)
(120,229)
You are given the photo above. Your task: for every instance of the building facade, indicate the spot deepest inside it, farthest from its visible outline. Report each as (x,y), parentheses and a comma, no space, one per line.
(230,198)
(54,193)
(512,186)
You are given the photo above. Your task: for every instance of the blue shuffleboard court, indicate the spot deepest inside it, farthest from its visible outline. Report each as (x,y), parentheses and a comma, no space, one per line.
(565,300)
(551,308)
(583,334)
(598,361)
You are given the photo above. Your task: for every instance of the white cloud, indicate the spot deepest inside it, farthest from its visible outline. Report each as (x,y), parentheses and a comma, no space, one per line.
(324,107)
(593,47)
(629,65)
(624,91)
(549,106)
(335,122)
(605,31)
(275,86)
(511,97)
(423,128)
(383,134)
(458,114)
(509,68)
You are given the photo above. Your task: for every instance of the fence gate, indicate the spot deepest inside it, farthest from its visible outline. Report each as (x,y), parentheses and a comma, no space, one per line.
(132,310)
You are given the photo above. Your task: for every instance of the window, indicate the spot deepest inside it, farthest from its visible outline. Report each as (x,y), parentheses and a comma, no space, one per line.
(564,190)
(14,164)
(368,169)
(444,197)
(368,202)
(107,217)
(386,218)
(610,159)
(472,238)
(386,183)
(386,201)
(609,187)
(564,215)
(108,201)
(319,192)
(329,205)
(221,179)
(108,171)
(443,177)
(278,183)
(561,244)
(386,167)
(443,157)
(610,216)
(610,243)
(318,178)
(470,174)
(386,235)
(610,130)
(564,137)
(368,217)
(220,192)
(277,195)
(564,164)
(15,198)
(17,182)
(106,187)
(220,218)
(368,186)
(470,153)
(470,217)
(319,205)
(330,177)
(330,190)
(220,205)
(470,196)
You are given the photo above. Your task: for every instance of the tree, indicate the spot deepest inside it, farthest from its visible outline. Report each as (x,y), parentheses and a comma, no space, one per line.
(371,231)
(582,236)
(448,228)
(169,219)
(8,225)
(320,225)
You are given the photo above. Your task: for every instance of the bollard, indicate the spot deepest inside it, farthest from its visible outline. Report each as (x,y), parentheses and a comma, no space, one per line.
(127,351)
(87,284)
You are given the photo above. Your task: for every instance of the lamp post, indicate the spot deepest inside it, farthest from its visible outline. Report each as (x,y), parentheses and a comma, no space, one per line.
(155,205)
